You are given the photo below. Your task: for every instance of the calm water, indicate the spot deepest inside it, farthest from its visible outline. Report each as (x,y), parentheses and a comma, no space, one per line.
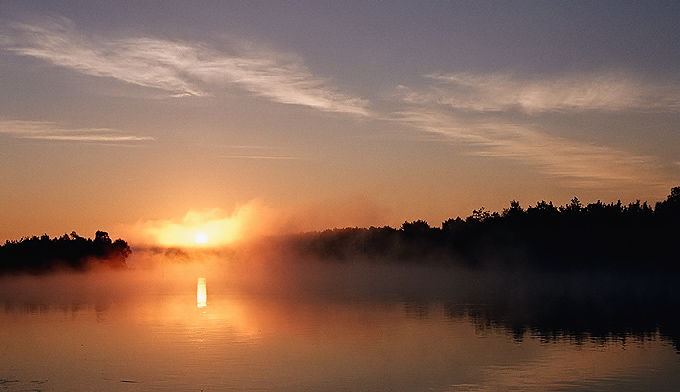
(334,328)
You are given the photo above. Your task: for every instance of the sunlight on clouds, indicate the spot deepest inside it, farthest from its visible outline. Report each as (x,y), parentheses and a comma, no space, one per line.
(580,164)
(444,104)
(218,227)
(185,232)
(181,68)
(251,221)
(450,106)
(43,130)
(500,92)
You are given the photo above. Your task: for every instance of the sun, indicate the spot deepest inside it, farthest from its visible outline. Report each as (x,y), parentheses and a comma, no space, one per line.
(201,238)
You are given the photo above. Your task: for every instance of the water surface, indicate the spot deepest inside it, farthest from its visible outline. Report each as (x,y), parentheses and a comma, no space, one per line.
(411,330)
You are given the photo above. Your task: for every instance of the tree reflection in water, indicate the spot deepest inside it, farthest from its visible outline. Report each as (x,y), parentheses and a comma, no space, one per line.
(343,327)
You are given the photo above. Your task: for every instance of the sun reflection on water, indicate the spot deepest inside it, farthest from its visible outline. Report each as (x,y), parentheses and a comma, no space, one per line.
(201,293)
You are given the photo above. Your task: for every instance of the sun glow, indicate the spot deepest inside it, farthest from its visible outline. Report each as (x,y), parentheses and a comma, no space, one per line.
(197,229)
(213,228)
(201,238)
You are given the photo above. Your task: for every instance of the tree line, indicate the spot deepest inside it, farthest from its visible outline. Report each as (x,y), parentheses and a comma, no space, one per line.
(544,236)
(71,252)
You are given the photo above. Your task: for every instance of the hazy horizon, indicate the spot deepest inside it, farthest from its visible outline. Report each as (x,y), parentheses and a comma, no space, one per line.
(241,118)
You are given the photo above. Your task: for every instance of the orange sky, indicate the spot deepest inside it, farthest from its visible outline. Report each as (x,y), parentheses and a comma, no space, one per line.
(123,117)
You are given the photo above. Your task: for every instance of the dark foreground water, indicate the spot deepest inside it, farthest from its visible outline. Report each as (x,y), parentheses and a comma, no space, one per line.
(343,328)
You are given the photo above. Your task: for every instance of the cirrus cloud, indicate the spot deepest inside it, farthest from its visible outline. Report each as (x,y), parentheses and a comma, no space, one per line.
(503,92)
(493,116)
(44,130)
(180,68)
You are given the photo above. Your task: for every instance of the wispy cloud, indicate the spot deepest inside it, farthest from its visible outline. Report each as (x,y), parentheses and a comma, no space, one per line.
(580,164)
(494,116)
(501,92)
(42,130)
(181,68)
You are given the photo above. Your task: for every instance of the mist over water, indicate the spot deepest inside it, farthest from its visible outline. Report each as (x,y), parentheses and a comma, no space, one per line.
(285,323)
(578,304)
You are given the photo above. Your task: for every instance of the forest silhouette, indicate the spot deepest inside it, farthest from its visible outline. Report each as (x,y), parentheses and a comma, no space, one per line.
(545,237)
(596,236)
(37,255)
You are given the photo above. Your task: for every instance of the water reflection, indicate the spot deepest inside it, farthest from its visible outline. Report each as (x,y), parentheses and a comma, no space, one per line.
(462,333)
(201,293)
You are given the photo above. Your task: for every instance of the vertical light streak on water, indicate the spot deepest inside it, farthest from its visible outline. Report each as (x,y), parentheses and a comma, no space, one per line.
(201,293)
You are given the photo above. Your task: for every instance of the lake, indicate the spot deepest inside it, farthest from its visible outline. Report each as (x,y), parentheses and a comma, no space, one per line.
(339,328)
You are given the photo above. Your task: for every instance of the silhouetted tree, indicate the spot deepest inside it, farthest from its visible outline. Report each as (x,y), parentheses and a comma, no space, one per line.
(42,254)
(594,236)
(574,206)
(514,211)
(415,229)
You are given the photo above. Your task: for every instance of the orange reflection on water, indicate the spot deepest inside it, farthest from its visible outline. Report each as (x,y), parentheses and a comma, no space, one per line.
(146,331)
(201,293)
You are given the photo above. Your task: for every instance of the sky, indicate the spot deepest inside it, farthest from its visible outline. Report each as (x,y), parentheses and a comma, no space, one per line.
(140,117)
